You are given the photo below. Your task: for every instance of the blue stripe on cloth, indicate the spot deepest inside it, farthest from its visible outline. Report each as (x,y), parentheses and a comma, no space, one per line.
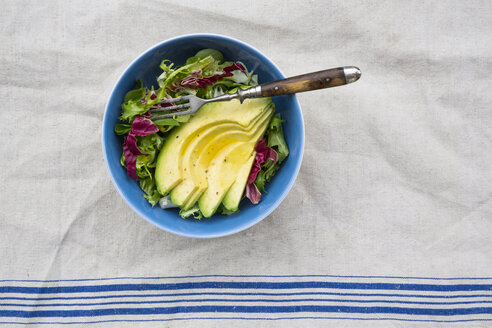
(380,298)
(244,301)
(239,318)
(244,285)
(249,276)
(246,309)
(243,294)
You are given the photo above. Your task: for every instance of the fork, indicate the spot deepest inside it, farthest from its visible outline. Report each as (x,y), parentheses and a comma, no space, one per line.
(190,104)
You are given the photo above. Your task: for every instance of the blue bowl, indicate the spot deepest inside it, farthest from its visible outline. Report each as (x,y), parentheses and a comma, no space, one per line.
(146,68)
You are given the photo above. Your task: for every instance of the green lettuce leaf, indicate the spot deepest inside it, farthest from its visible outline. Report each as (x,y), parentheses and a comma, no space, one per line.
(183,118)
(132,108)
(265,175)
(153,198)
(222,210)
(151,193)
(167,68)
(121,129)
(275,138)
(194,212)
(166,124)
(122,160)
(134,103)
(192,60)
(147,185)
(167,121)
(169,76)
(149,145)
(137,94)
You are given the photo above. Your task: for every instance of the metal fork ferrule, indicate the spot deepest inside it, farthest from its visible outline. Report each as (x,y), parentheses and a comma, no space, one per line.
(254,92)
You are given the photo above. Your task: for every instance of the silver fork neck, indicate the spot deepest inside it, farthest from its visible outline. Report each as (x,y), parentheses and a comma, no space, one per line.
(254,92)
(224,97)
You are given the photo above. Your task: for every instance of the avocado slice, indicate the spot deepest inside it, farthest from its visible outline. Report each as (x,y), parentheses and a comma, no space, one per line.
(221,175)
(182,192)
(196,161)
(223,171)
(233,196)
(168,167)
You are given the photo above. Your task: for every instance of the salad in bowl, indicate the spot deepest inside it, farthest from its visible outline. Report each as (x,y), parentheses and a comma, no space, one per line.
(204,163)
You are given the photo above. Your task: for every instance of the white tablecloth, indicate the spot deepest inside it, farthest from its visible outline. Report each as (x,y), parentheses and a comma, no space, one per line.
(396,179)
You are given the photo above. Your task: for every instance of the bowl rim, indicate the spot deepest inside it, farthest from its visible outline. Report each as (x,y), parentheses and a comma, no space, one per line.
(167,228)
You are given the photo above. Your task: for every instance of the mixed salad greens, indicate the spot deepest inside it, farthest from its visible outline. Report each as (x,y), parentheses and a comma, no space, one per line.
(205,75)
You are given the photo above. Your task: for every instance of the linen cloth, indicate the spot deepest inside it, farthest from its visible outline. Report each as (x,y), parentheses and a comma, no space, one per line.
(396,179)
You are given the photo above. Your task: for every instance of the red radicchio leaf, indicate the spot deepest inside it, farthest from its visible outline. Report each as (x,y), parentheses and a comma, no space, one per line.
(130,151)
(254,172)
(131,144)
(263,154)
(143,126)
(269,153)
(168,104)
(272,155)
(233,67)
(253,193)
(193,81)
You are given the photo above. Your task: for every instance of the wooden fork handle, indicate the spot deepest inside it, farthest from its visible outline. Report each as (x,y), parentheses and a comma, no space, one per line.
(312,81)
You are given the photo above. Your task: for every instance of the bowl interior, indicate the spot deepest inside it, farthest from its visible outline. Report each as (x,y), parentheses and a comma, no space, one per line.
(146,68)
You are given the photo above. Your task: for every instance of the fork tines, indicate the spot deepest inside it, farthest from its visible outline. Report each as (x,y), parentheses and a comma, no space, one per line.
(157,108)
